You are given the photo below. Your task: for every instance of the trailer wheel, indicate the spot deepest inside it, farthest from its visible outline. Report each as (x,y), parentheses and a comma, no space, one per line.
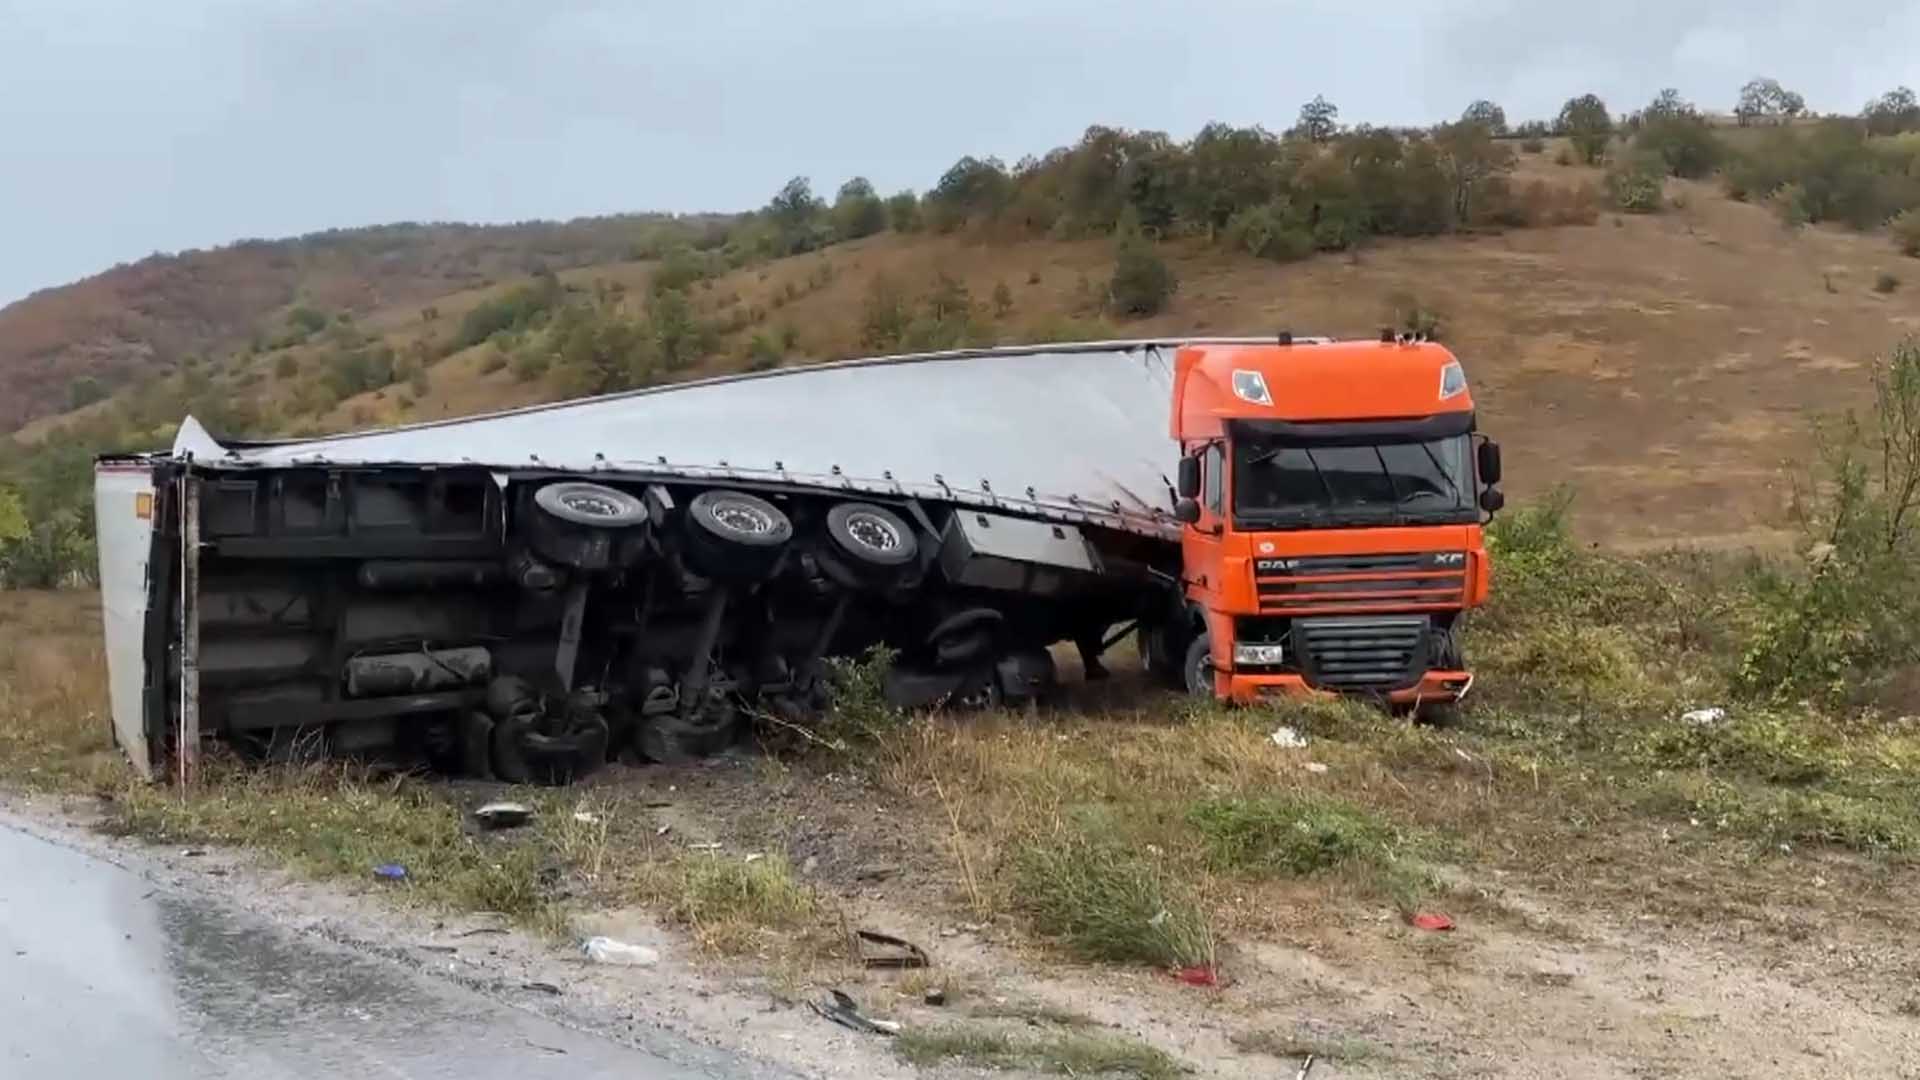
(596,505)
(871,545)
(1198,670)
(522,753)
(733,535)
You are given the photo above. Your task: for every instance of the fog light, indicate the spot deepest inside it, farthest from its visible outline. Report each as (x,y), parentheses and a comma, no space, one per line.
(1257,655)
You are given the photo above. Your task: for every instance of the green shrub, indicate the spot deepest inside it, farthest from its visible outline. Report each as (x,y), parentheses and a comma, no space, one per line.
(1846,624)
(1768,746)
(1532,144)
(1885,283)
(1142,282)
(1290,835)
(84,391)
(1906,231)
(1636,183)
(763,353)
(1104,903)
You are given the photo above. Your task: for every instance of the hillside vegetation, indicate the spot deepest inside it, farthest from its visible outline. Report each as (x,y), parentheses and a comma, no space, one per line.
(1650,308)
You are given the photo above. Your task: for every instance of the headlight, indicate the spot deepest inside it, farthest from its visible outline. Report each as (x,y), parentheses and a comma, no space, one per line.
(1257,655)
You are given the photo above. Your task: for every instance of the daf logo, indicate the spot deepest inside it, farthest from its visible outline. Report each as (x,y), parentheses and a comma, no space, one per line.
(1450,558)
(1265,566)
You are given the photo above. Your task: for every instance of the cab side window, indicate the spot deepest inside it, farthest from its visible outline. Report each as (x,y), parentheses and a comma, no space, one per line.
(1213,480)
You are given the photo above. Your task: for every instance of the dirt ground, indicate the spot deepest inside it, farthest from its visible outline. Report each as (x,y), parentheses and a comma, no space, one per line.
(1527,985)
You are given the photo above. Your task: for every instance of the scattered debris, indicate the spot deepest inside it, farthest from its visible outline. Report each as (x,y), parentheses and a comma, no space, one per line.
(1305,1068)
(755,857)
(606,950)
(503,815)
(1431,920)
(711,845)
(587,817)
(439,948)
(481,930)
(1286,738)
(1318,768)
(663,830)
(544,1046)
(876,872)
(1198,975)
(935,996)
(541,987)
(390,872)
(1703,717)
(842,1010)
(894,952)
(193,851)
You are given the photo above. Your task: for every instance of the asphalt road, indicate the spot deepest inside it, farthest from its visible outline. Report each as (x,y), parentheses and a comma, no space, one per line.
(103,974)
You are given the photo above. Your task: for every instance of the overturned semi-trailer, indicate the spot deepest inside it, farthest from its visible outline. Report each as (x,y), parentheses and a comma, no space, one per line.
(515,594)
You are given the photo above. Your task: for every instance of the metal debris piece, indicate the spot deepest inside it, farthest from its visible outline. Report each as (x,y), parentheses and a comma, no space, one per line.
(842,1010)
(1431,920)
(541,987)
(1305,1068)
(935,996)
(608,950)
(893,952)
(503,815)
(1286,738)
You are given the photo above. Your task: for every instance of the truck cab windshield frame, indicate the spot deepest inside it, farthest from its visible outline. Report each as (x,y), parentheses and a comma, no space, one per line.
(1356,474)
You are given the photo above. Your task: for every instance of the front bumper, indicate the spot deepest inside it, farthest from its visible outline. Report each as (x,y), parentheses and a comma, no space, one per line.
(1437,687)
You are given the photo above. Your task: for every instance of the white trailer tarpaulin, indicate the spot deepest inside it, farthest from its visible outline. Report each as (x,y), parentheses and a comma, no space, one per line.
(1069,432)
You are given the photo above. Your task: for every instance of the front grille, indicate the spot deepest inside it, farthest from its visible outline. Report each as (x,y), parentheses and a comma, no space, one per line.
(1364,582)
(1362,652)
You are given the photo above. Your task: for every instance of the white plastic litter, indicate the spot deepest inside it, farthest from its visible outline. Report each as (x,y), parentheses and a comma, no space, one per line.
(586,817)
(1316,767)
(1286,738)
(1703,717)
(606,950)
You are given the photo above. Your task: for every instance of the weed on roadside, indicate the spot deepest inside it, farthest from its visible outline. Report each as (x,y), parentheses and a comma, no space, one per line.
(1058,1054)
(1104,902)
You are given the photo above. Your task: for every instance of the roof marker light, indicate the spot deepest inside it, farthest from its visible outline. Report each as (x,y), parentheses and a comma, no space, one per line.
(1453,380)
(1251,386)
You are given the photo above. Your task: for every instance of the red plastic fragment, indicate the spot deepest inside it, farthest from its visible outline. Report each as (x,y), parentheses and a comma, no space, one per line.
(1432,920)
(1198,976)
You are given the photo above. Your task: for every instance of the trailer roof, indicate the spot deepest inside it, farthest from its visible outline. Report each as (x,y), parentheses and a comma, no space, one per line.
(1074,432)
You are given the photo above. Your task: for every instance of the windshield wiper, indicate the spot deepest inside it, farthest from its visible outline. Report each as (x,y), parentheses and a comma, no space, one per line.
(1442,470)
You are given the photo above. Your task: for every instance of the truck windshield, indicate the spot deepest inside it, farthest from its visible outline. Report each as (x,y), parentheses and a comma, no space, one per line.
(1291,483)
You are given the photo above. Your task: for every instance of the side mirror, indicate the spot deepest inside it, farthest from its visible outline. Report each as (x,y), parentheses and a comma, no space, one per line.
(1189,481)
(1186,511)
(1489,462)
(1492,499)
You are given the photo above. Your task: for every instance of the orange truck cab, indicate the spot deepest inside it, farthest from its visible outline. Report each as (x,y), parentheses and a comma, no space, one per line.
(1331,496)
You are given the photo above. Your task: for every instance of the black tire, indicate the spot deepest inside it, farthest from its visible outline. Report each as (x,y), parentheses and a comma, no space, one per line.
(1439,714)
(594,505)
(1161,654)
(733,536)
(523,754)
(868,545)
(1197,670)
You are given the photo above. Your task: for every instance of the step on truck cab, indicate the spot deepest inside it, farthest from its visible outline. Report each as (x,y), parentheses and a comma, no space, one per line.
(1331,496)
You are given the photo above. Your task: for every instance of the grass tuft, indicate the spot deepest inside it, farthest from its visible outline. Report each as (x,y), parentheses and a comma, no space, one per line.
(1105,903)
(1058,1054)
(731,905)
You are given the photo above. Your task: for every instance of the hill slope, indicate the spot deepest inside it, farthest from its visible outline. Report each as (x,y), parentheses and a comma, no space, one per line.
(156,312)
(1666,366)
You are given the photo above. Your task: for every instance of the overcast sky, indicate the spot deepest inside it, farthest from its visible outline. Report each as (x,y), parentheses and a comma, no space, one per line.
(134,126)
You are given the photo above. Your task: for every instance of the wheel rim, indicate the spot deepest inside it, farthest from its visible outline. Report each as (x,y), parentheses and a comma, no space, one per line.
(873,532)
(590,504)
(1202,674)
(743,518)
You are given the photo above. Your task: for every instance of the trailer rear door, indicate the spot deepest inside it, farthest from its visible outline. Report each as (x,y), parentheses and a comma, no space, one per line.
(126,507)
